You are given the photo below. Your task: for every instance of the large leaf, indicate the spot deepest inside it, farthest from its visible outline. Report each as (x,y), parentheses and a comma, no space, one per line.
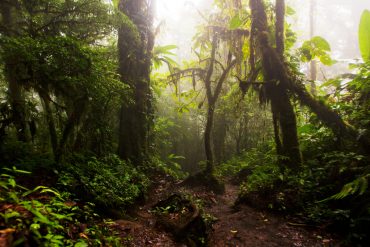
(317,47)
(364,35)
(161,55)
(235,22)
(320,43)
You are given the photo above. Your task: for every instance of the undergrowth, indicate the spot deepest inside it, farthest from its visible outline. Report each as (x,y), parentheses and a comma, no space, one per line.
(46,217)
(330,189)
(109,182)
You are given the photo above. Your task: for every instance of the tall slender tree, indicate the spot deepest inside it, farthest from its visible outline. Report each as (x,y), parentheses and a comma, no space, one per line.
(16,92)
(135,45)
(313,63)
(212,97)
(46,48)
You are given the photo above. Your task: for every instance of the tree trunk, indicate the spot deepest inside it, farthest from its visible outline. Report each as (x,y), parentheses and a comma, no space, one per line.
(79,106)
(219,133)
(135,44)
(313,63)
(277,138)
(280,27)
(51,124)
(283,113)
(17,100)
(295,85)
(207,138)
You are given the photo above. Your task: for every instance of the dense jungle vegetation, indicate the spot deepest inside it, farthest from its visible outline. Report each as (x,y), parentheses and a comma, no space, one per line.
(108,138)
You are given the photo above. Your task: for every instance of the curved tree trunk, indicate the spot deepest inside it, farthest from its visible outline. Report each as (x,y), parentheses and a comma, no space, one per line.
(328,116)
(212,98)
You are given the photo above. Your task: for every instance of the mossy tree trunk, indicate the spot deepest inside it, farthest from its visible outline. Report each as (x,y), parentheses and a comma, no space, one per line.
(294,85)
(135,44)
(284,117)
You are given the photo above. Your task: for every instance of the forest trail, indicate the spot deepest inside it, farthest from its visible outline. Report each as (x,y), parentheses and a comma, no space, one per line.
(243,226)
(246,226)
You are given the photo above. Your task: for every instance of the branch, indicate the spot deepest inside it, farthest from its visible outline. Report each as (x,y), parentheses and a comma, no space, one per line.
(207,80)
(222,79)
(76,9)
(251,82)
(182,73)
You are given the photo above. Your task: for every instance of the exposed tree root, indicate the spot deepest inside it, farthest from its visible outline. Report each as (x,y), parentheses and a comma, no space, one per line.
(182,218)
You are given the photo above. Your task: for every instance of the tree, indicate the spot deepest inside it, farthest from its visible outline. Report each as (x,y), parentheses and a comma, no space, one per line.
(212,97)
(16,93)
(313,63)
(47,59)
(290,83)
(284,118)
(135,45)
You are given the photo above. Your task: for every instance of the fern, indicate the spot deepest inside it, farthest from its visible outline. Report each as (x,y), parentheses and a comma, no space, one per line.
(356,187)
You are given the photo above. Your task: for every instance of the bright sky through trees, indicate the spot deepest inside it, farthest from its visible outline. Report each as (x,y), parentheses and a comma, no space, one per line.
(336,21)
(178,20)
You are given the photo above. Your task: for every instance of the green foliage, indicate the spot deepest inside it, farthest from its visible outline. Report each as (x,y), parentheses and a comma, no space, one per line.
(317,47)
(255,158)
(43,217)
(356,187)
(236,22)
(170,166)
(64,64)
(162,54)
(323,192)
(108,182)
(358,99)
(87,20)
(115,3)
(364,35)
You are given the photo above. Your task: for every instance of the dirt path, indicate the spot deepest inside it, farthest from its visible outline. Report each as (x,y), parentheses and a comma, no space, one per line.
(250,227)
(244,227)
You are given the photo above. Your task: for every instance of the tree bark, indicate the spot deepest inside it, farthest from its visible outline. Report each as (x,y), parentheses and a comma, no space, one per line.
(207,139)
(219,133)
(280,27)
(135,44)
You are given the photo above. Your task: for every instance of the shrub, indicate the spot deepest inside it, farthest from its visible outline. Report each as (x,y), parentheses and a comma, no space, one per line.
(108,182)
(256,157)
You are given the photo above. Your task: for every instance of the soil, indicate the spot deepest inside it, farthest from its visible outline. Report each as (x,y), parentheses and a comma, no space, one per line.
(238,227)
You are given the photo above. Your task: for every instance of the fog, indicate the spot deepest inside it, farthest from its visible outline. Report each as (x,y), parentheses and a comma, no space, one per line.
(335,20)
